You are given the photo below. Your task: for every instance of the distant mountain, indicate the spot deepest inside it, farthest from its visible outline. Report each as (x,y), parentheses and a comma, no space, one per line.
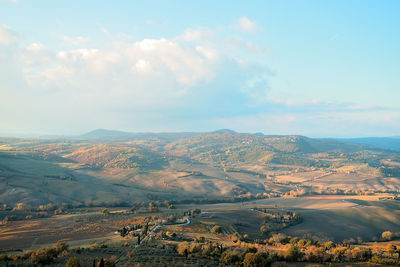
(112,135)
(225,131)
(248,148)
(102,134)
(392,143)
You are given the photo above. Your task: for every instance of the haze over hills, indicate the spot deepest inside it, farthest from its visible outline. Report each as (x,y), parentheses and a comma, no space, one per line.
(199,133)
(120,166)
(392,143)
(382,142)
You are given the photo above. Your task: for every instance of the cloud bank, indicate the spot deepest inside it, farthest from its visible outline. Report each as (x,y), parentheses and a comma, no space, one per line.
(200,80)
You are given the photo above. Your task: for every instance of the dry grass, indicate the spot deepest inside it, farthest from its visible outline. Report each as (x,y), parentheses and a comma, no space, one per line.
(27,234)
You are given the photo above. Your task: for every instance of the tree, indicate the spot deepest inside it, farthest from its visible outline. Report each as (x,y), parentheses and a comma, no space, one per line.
(391,248)
(216,229)
(264,229)
(328,245)
(106,211)
(153,207)
(73,262)
(315,254)
(61,246)
(387,235)
(197,211)
(294,240)
(339,253)
(230,257)
(294,253)
(256,260)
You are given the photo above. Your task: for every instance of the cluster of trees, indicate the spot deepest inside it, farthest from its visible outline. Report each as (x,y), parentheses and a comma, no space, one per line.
(275,220)
(152,206)
(52,255)
(390,171)
(291,249)
(41,256)
(241,198)
(332,191)
(211,250)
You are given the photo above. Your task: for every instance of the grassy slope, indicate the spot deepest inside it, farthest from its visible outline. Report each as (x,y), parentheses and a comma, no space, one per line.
(366,220)
(207,165)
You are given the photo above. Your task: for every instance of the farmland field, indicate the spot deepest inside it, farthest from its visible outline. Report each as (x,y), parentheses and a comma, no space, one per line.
(144,200)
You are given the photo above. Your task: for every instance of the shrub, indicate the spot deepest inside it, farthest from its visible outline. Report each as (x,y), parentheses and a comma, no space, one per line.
(387,235)
(256,260)
(216,229)
(97,245)
(264,229)
(293,253)
(294,240)
(4,257)
(231,257)
(170,235)
(197,211)
(384,261)
(73,262)
(61,246)
(391,248)
(279,238)
(200,239)
(43,256)
(314,254)
(182,246)
(360,254)
(328,245)
(339,253)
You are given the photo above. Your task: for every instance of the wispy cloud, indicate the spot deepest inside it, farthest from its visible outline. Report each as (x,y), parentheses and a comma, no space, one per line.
(192,73)
(7,36)
(247,25)
(77,41)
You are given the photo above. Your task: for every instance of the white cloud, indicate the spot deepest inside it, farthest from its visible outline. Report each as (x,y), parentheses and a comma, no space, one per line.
(142,66)
(35,55)
(123,83)
(239,44)
(151,72)
(196,35)
(76,41)
(247,25)
(7,36)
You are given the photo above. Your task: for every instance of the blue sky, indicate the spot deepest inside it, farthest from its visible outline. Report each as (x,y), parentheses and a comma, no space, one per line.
(316,68)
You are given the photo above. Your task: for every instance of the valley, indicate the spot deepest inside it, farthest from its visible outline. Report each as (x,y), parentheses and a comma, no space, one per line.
(249,190)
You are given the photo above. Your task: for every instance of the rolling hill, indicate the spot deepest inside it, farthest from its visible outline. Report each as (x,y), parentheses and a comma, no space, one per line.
(117,166)
(392,143)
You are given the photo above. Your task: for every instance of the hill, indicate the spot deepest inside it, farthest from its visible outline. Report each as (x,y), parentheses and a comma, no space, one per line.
(133,167)
(392,143)
(115,136)
(103,134)
(232,148)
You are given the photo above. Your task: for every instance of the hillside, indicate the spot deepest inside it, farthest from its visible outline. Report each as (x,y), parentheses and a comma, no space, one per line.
(232,148)
(108,156)
(215,165)
(392,143)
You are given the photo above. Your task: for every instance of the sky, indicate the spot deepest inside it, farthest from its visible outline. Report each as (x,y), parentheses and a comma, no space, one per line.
(314,68)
